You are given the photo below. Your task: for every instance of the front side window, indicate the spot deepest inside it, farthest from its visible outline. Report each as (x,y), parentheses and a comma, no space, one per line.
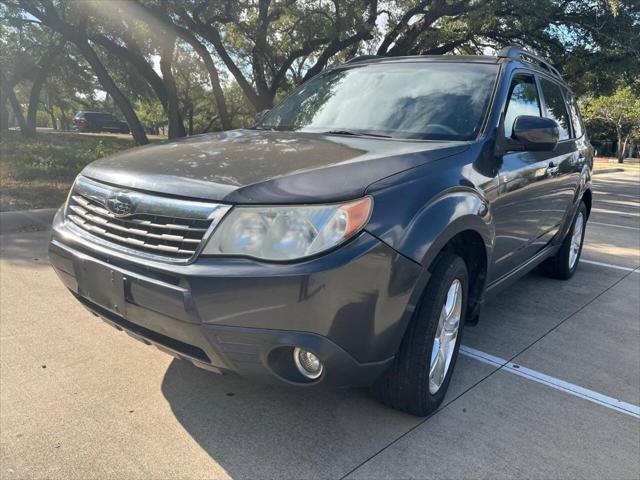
(421,100)
(523,100)
(556,108)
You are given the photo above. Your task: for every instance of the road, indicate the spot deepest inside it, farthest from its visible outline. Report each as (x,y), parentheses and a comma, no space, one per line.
(548,386)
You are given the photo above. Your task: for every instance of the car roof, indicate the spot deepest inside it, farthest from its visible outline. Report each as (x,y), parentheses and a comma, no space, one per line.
(508,55)
(371,59)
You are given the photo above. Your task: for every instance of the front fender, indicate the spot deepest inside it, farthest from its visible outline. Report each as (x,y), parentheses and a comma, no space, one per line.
(421,235)
(420,229)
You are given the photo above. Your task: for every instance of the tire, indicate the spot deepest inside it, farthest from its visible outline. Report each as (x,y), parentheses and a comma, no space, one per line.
(406,386)
(564,264)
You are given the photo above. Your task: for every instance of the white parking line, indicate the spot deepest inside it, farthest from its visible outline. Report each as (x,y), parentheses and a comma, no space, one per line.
(570,388)
(608,265)
(614,212)
(612,225)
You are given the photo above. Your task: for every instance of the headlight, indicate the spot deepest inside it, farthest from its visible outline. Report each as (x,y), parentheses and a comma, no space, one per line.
(287,232)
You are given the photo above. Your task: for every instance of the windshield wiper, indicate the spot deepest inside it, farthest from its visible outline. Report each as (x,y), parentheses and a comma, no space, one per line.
(357,134)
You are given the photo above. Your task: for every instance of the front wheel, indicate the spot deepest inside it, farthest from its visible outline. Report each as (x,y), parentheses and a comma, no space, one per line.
(564,263)
(418,380)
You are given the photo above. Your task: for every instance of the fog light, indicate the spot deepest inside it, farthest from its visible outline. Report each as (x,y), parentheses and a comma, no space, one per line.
(308,364)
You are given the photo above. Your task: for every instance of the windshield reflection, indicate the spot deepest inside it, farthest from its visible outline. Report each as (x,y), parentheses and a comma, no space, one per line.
(421,100)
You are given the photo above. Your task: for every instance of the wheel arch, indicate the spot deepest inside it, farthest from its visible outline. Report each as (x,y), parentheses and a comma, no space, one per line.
(461,223)
(587,198)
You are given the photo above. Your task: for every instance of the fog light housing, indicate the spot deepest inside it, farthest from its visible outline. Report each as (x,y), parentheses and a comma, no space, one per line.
(308,363)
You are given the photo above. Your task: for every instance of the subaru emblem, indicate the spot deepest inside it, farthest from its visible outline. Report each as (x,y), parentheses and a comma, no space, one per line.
(120,205)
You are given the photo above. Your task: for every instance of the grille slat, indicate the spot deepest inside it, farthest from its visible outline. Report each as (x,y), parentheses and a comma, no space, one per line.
(106,213)
(147,230)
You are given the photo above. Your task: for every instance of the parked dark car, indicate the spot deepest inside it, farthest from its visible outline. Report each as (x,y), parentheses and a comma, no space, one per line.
(98,122)
(346,239)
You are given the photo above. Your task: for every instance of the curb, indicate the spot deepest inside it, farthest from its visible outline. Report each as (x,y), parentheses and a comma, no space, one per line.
(26,220)
(601,171)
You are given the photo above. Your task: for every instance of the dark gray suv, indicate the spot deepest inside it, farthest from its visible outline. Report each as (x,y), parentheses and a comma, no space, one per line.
(349,236)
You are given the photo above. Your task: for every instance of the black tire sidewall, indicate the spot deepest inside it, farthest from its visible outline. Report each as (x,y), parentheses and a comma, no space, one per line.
(405,386)
(581,209)
(449,274)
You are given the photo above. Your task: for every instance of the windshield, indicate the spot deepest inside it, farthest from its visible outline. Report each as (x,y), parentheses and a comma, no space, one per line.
(429,101)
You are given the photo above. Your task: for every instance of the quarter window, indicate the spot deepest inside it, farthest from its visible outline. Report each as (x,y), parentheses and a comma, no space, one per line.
(523,100)
(556,108)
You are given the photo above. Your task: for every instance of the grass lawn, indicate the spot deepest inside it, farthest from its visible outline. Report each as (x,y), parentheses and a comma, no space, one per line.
(38,173)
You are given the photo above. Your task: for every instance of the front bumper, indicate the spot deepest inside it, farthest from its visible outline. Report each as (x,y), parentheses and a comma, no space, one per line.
(350,307)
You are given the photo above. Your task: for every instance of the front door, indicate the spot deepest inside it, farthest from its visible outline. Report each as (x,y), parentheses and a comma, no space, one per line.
(530,204)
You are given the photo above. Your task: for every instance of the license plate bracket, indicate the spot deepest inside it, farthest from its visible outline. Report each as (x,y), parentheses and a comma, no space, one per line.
(103,285)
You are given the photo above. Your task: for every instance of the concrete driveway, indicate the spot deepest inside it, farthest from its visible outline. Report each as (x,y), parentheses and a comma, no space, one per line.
(548,386)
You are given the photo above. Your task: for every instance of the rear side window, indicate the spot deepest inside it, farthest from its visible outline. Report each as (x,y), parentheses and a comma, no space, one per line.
(556,108)
(576,120)
(523,100)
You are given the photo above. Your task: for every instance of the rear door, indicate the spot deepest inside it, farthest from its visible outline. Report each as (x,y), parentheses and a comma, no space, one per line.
(110,123)
(567,160)
(528,210)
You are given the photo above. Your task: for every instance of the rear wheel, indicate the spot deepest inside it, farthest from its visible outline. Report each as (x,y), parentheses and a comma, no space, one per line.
(418,380)
(564,263)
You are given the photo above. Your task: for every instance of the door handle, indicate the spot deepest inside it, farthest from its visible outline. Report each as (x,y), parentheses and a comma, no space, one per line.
(552,169)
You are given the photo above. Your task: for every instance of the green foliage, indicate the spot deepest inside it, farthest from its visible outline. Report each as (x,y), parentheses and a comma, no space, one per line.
(53,157)
(43,119)
(151,113)
(37,173)
(619,112)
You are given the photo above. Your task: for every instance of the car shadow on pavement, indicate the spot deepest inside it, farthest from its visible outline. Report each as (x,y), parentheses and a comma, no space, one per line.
(262,430)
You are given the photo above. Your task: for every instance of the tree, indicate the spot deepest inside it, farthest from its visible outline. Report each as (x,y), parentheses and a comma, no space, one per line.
(260,41)
(71,22)
(159,17)
(152,114)
(132,50)
(28,53)
(620,111)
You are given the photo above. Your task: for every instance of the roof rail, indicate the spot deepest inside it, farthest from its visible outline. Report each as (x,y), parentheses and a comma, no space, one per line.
(362,58)
(528,57)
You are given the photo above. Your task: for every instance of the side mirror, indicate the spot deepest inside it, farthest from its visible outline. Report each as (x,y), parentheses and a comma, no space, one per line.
(260,115)
(536,133)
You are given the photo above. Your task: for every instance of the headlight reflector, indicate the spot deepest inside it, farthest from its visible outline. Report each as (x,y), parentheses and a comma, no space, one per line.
(287,232)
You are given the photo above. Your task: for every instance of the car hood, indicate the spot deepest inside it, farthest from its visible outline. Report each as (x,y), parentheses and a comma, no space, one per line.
(257,166)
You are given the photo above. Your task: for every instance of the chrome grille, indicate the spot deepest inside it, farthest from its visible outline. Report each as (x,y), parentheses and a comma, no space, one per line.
(166,228)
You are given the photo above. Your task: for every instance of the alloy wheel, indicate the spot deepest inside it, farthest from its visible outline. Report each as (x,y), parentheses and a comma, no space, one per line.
(576,240)
(444,342)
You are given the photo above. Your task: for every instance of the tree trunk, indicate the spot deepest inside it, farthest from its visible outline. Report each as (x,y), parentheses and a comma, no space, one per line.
(112,89)
(38,82)
(190,121)
(4,114)
(52,116)
(176,127)
(186,35)
(620,146)
(624,149)
(212,35)
(64,119)
(139,63)
(13,101)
